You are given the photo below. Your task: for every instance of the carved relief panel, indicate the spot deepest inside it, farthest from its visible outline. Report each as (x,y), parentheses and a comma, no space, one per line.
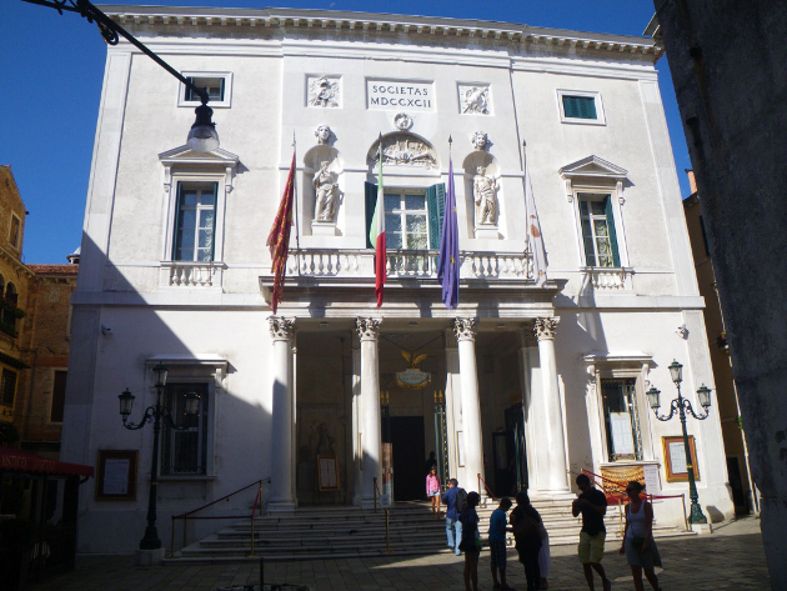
(323,91)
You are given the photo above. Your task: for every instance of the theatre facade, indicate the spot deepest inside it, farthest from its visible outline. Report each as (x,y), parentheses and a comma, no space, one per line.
(333,400)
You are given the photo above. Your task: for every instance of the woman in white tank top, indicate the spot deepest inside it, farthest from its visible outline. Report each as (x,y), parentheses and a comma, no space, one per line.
(638,543)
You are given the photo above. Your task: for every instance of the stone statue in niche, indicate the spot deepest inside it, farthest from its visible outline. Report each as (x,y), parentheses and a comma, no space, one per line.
(326,193)
(324,92)
(485,197)
(480,140)
(323,133)
(476,100)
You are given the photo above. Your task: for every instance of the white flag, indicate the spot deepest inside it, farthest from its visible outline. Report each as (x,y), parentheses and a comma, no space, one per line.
(535,243)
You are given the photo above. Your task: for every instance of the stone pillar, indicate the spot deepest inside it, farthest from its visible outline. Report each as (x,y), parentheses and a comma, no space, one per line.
(282,457)
(547,417)
(371,439)
(465,329)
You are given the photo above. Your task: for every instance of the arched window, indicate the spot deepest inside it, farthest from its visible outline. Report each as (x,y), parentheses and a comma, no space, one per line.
(10,299)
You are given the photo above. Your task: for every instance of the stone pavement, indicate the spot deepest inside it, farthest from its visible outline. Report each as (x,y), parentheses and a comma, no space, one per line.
(731,558)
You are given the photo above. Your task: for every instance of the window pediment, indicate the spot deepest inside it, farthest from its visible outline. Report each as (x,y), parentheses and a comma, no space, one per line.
(595,167)
(184,158)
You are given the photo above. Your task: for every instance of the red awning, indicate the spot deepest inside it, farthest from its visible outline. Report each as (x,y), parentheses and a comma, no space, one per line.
(16,460)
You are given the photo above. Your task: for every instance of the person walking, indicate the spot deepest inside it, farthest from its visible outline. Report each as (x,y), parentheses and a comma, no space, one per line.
(453,527)
(526,524)
(592,504)
(638,543)
(471,540)
(433,490)
(497,544)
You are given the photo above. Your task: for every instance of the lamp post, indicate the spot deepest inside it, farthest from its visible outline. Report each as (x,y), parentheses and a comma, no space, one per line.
(202,136)
(681,405)
(155,413)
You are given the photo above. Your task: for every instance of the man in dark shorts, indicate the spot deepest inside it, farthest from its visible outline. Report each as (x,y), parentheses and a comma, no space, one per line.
(592,504)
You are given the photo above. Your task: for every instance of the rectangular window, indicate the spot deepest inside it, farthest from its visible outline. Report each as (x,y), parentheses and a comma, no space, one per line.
(7,387)
(579,107)
(218,86)
(406,220)
(621,419)
(214,86)
(598,230)
(195,222)
(184,451)
(13,235)
(58,396)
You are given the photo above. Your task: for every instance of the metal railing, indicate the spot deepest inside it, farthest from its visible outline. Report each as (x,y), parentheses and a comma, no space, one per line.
(482,482)
(621,498)
(191,515)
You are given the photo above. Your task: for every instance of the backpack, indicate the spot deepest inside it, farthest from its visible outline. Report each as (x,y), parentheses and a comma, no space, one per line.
(461,500)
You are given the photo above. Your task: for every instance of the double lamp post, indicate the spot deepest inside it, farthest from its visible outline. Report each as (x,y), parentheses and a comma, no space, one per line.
(682,406)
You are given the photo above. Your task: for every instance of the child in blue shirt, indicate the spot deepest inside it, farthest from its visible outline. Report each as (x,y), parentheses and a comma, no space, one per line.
(497,543)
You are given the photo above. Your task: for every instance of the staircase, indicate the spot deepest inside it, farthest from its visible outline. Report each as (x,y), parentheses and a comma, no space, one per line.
(349,532)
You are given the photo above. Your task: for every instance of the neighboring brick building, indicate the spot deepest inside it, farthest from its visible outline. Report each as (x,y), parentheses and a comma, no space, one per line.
(14,280)
(47,328)
(35,316)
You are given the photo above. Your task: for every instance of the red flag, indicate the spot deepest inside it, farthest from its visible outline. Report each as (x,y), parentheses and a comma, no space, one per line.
(279,237)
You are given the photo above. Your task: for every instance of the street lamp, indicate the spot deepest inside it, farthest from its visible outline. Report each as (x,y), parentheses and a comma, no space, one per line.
(681,405)
(155,413)
(202,136)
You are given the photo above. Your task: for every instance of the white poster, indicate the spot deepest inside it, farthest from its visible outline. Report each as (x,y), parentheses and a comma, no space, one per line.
(116,476)
(652,486)
(677,457)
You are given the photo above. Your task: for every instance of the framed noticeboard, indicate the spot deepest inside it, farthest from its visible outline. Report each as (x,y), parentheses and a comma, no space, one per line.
(327,473)
(675,458)
(116,475)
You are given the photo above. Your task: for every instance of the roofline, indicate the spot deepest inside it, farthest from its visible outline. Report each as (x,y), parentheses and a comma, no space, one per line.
(380,22)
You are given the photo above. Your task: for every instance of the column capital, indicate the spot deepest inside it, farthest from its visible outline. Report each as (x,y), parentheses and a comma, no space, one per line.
(545,328)
(282,329)
(465,328)
(368,328)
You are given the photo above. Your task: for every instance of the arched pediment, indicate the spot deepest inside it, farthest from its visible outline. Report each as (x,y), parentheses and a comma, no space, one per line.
(593,166)
(402,148)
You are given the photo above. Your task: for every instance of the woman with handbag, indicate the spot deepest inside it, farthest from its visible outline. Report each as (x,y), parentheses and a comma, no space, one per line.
(638,543)
(471,541)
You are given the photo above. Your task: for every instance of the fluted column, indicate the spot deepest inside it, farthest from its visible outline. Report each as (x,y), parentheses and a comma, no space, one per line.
(547,415)
(282,496)
(465,329)
(371,440)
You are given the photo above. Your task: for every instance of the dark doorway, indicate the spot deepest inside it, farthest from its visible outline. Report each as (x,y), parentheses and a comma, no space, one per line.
(516,451)
(407,438)
(736,484)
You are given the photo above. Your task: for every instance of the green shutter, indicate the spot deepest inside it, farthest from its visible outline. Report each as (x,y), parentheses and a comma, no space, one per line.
(613,239)
(435,199)
(579,107)
(370,194)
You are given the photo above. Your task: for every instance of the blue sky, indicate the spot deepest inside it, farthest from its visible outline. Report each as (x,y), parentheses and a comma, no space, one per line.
(53,66)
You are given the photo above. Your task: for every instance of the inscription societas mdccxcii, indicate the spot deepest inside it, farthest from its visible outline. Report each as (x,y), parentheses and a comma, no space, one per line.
(393,94)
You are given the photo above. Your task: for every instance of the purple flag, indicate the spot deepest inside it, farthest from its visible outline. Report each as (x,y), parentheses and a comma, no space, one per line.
(448,259)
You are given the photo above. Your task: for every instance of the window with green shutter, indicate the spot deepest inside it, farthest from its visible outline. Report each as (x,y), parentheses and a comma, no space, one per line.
(579,107)
(599,239)
(413,217)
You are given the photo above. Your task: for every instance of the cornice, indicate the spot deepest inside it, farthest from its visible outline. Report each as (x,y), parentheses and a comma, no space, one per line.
(470,30)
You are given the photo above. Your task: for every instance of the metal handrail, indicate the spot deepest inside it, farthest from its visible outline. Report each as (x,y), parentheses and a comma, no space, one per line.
(186,516)
(486,487)
(375,492)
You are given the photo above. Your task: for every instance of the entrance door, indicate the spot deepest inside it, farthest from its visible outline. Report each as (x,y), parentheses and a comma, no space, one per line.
(407,438)
(517,449)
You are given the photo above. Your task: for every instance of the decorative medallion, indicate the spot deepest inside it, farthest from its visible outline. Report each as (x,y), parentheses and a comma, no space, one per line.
(413,378)
(474,99)
(403,121)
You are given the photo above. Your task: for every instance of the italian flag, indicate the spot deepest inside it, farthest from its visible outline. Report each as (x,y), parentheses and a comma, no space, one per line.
(377,230)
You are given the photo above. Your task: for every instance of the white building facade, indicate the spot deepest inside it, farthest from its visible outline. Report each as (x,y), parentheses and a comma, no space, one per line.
(336,401)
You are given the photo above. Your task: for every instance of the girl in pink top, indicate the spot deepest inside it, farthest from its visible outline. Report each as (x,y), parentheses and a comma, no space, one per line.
(433,490)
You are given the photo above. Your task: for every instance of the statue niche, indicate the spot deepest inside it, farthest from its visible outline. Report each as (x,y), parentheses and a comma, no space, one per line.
(482,185)
(321,171)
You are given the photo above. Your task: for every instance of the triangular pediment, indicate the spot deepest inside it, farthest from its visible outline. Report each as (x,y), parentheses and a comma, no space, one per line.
(593,166)
(185,155)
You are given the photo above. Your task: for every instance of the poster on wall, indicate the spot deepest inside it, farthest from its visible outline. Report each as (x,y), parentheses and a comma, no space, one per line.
(675,458)
(327,474)
(116,475)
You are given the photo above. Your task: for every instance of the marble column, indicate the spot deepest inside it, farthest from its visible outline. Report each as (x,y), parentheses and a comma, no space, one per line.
(547,416)
(371,436)
(465,330)
(282,495)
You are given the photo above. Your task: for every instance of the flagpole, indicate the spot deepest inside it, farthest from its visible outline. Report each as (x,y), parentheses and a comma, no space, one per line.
(297,220)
